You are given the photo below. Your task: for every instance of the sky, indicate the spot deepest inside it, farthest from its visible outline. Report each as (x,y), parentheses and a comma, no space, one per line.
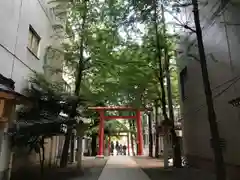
(169,26)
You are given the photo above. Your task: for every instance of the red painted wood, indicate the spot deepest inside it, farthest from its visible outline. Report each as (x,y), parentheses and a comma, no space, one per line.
(101,133)
(120,108)
(101,111)
(112,108)
(119,117)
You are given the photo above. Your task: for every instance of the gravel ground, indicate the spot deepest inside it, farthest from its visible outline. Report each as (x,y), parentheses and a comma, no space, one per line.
(92,170)
(154,169)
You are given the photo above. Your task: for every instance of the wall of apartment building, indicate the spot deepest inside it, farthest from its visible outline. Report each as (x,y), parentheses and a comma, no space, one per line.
(17,61)
(221,34)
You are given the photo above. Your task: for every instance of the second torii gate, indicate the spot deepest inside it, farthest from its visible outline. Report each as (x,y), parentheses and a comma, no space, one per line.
(102,117)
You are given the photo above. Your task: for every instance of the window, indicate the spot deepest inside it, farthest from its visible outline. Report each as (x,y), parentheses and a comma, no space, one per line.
(183,79)
(33,41)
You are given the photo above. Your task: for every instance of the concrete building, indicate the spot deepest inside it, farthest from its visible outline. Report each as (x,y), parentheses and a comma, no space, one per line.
(221,34)
(26,34)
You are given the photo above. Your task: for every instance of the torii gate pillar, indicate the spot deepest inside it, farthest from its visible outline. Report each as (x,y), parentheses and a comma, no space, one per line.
(102,118)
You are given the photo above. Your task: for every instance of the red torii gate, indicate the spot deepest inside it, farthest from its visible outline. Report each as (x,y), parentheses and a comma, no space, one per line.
(102,117)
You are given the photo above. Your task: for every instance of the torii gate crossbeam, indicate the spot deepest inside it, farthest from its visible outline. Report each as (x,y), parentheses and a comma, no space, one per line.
(102,118)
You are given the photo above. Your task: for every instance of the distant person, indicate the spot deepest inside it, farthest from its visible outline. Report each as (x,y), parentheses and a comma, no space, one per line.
(121,149)
(124,150)
(117,147)
(112,148)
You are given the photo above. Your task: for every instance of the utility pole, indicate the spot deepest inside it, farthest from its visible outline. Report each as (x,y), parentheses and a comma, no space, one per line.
(215,141)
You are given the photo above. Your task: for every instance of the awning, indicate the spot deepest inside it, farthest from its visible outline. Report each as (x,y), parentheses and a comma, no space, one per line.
(7,93)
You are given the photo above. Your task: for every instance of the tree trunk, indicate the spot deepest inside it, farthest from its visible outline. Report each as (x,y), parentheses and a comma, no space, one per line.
(131,136)
(150,134)
(134,134)
(64,157)
(42,160)
(217,150)
(128,144)
(157,133)
(78,81)
(94,145)
(177,160)
(72,155)
(132,144)
(51,152)
(79,153)
(159,56)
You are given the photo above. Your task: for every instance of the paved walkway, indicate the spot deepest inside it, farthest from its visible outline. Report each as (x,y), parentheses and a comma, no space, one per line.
(154,168)
(122,168)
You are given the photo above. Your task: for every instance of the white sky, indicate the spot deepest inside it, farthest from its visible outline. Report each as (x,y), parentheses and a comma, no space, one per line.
(170,28)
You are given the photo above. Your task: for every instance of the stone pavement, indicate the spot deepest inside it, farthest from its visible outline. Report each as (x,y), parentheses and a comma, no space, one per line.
(122,168)
(154,168)
(92,170)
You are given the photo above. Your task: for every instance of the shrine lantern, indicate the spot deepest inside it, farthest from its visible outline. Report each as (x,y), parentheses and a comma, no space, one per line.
(8,100)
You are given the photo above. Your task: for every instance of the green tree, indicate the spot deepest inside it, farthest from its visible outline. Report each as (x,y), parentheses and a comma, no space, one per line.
(107,67)
(41,119)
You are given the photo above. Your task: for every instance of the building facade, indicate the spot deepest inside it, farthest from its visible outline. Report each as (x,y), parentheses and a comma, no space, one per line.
(26,33)
(221,35)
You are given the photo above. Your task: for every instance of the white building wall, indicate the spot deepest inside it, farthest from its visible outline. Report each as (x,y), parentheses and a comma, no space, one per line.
(221,40)
(16,61)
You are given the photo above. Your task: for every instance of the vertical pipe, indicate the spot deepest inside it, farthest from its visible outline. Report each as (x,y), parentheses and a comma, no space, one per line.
(139,133)
(101,134)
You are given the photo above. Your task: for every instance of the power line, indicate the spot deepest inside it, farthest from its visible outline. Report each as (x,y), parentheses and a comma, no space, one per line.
(235,80)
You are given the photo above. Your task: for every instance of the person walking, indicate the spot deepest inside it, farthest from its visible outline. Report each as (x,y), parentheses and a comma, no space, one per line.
(121,149)
(117,147)
(124,150)
(112,148)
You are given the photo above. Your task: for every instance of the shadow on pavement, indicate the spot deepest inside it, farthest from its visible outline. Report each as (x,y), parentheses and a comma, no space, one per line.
(155,170)
(92,170)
